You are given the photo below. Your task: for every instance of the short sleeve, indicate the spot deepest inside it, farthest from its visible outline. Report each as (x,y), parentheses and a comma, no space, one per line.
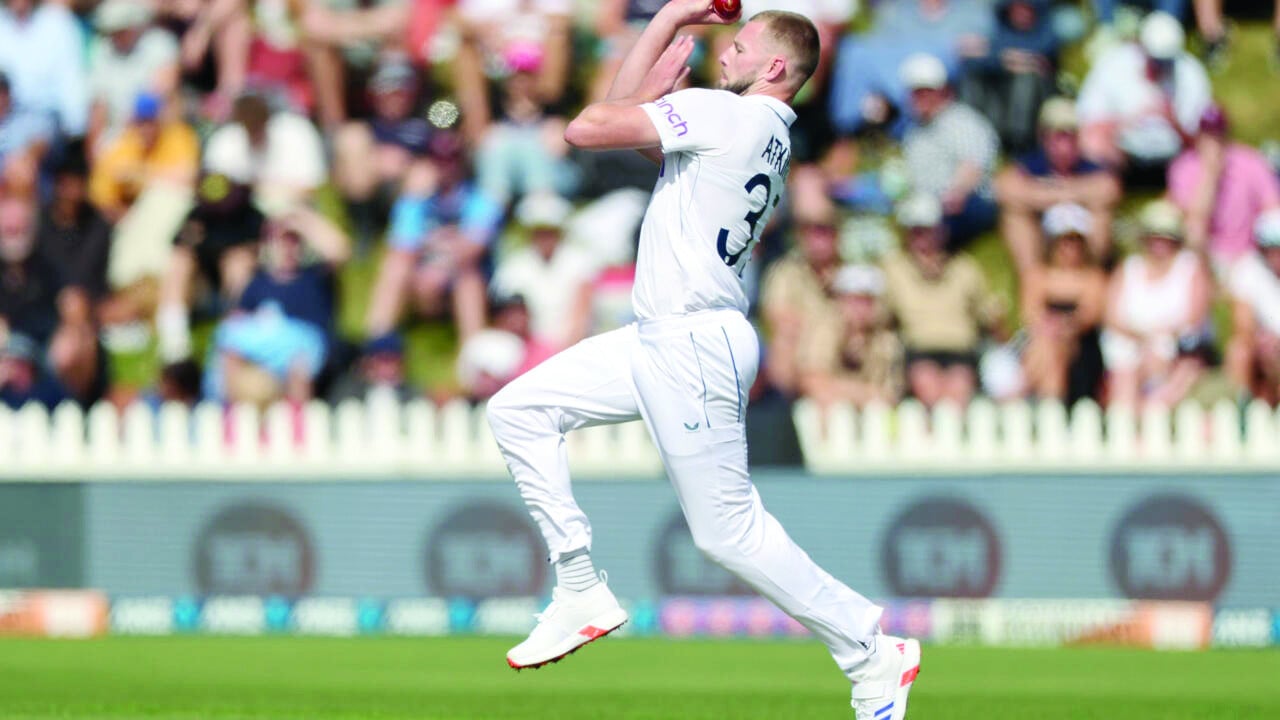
(693,120)
(409,223)
(481,218)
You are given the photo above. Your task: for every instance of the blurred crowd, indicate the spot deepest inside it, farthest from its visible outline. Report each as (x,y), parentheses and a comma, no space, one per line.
(214,185)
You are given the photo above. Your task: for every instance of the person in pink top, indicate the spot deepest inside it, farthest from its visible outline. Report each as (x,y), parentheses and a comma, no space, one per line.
(1221,187)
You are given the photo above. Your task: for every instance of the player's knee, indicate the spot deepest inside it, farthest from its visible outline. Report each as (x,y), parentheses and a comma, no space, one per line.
(506,412)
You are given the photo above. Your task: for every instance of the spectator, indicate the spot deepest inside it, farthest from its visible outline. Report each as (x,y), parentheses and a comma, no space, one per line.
(1053,174)
(1010,81)
(441,230)
(224,27)
(493,357)
(22,379)
(278,340)
(150,151)
(217,243)
(127,60)
(795,293)
(941,302)
(40,52)
(498,38)
(282,60)
(1063,299)
(380,368)
(24,140)
(373,157)
(1156,334)
(142,182)
(547,273)
(1253,354)
(279,154)
(855,359)
(867,88)
(35,302)
(1140,103)
(950,151)
(1222,187)
(361,29)
(74,237)
(523,150)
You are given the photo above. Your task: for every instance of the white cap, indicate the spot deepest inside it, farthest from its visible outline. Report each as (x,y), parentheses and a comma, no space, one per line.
(543,210)
(1067,219)
(1266,229)
(1162,36)
(920,210)
(496,353)
(1161,218)
(859,280)
(923,70)
(116,15)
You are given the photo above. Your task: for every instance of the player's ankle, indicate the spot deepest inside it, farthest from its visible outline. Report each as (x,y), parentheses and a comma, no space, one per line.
(574,571)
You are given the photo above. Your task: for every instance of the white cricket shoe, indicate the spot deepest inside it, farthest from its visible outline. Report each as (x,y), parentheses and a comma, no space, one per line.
(572,620)
(885,679)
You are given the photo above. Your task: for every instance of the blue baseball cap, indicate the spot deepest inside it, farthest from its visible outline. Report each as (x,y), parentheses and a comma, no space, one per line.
(146,107)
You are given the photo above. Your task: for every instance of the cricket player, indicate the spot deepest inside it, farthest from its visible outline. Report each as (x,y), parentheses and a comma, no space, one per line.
(686,365)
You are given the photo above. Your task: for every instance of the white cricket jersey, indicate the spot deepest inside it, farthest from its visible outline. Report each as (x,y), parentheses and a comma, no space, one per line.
(724,167)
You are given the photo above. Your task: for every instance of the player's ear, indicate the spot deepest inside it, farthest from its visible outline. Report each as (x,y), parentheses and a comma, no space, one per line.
(776,70)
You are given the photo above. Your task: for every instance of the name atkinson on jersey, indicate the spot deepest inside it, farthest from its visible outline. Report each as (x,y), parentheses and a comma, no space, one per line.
(778,156)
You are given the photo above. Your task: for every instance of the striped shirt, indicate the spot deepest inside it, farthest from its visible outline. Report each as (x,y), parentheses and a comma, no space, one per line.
(935,150)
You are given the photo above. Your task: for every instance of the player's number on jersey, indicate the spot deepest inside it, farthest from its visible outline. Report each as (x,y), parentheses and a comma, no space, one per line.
(753,218)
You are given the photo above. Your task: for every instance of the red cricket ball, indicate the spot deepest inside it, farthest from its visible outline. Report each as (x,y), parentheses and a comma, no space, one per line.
(727,9)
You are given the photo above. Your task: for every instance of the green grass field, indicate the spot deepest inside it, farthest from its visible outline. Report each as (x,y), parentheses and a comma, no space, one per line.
(319,679)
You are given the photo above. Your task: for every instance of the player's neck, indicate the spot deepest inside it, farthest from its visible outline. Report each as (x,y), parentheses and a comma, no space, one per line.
(772,91)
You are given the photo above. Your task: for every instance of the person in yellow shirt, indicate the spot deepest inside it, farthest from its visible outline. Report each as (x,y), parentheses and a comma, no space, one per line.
(143,181)
(150,150)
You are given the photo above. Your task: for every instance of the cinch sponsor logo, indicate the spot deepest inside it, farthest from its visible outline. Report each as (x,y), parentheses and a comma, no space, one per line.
(1170,547)
(677,122)
(941,547)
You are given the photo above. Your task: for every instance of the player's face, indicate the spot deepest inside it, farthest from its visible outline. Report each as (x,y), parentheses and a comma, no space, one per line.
(742,62)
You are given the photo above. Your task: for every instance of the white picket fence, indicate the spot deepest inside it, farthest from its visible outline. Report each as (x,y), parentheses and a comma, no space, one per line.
(1045,437)
(377,439)
(382,439)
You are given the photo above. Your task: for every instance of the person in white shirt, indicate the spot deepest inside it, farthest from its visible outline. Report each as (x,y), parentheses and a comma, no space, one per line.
(686,365)
(279,154)
(1253,353)
(547,273)
(127,59)
(1141,103)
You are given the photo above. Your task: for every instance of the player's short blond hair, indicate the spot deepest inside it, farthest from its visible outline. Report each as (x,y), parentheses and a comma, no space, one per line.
(797,37)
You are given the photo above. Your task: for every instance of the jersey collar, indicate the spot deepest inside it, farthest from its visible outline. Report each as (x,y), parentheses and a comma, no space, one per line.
(780,108)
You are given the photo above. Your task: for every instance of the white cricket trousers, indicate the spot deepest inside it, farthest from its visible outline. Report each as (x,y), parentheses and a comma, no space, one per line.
(687,378)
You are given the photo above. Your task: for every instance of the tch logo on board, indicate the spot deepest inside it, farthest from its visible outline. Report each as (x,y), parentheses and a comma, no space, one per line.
(254,549)
(484,550)
(1170,547)
(941,547)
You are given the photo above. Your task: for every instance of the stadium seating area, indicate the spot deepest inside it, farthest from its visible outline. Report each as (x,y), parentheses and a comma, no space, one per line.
(252,202)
